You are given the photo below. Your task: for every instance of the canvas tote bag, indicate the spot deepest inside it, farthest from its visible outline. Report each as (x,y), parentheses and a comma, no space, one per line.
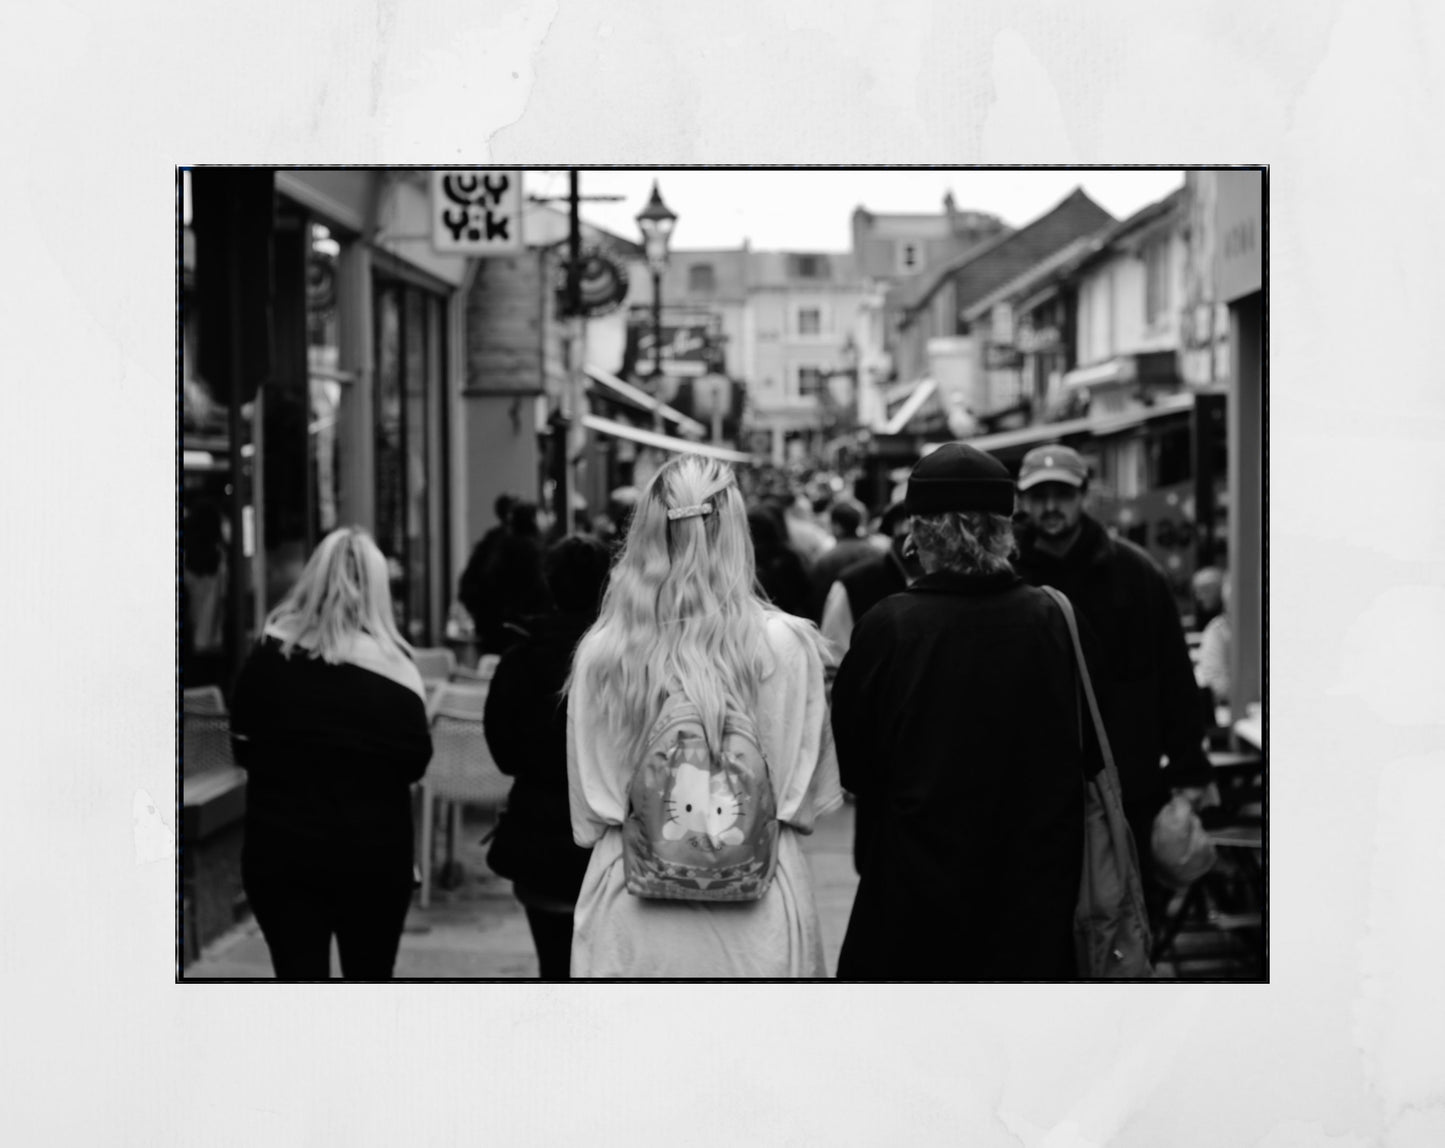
(1111,923)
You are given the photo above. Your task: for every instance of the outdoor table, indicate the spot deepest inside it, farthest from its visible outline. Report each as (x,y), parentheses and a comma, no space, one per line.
(1250,730)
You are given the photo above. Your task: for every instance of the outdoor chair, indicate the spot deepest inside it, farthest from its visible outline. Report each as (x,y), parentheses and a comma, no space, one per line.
(1221,914)
(436,663)
(205,731)
(482,672)
(461,772)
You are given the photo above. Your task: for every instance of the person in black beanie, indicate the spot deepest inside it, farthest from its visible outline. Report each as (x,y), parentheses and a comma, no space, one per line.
(956,720)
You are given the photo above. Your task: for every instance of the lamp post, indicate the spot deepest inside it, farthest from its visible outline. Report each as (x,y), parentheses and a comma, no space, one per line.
(656,223)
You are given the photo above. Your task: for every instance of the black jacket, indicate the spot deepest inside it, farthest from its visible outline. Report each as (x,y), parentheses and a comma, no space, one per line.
(332,751)
(526,727)
(1148,693)
(830,564)
(956,722)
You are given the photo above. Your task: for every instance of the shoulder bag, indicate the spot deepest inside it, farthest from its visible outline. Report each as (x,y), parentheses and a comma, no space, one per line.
(1111,923)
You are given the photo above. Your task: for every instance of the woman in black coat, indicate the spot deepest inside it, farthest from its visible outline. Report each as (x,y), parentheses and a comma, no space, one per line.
(526,727)
(957,721)
(329,720)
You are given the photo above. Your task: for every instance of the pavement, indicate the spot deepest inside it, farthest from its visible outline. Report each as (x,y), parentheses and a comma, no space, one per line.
(477,930)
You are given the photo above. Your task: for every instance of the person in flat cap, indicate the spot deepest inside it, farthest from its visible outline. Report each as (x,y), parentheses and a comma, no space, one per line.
(1148,693)
(957,723)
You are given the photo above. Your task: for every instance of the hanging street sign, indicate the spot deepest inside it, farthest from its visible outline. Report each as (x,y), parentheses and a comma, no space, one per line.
(477,211)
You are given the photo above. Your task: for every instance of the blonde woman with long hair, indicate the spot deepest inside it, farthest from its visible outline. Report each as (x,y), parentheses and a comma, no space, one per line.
(329,719)
(682,612)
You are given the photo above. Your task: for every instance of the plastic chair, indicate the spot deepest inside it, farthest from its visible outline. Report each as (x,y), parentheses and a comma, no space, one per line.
(203,700)
(462,770)
(205,731)
(436,663)
(482,672)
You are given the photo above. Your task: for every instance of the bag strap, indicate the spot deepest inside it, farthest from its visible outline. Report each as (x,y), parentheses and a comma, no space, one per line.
(1124,846)
(1085,681)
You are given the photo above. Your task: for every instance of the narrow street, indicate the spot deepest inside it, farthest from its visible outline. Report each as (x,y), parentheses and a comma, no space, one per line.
(478,929)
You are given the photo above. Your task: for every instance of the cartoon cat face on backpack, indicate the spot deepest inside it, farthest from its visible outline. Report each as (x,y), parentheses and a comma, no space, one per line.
(700,802)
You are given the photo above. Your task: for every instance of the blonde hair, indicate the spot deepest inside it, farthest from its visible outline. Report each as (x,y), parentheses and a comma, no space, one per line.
(681,607)
(342,592)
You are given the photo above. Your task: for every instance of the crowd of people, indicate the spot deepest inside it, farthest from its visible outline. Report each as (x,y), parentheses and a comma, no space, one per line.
(688,684)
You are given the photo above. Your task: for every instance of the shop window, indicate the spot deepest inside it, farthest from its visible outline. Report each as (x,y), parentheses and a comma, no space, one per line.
(329,386)
(700,279)
(409,367)
(809,266)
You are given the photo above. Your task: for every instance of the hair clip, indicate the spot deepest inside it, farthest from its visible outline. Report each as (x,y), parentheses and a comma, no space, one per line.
(701,510)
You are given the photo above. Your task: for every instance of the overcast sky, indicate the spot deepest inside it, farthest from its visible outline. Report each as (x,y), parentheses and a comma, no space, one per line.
(811,209)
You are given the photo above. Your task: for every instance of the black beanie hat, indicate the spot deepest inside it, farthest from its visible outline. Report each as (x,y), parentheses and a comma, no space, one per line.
(957,476)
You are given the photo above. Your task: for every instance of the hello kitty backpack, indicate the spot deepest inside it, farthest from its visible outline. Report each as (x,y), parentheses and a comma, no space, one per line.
(702,822)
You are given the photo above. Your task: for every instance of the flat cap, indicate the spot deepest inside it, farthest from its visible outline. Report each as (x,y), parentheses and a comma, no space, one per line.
(957,476)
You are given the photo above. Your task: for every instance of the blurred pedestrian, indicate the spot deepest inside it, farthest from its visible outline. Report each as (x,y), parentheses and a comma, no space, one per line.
(1213,669)
(804,535)
(681,619)
(475,590)
(514,583)
(780,571)
(329,721)
(1208,592)
(845,519)
(865,583)
(526,728)
(1148,692)
(956,718)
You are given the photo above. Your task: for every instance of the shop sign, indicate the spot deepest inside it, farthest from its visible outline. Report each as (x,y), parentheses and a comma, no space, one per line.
(477,211)
(690,346)
(997,358)
(1038,340)
(1239,219)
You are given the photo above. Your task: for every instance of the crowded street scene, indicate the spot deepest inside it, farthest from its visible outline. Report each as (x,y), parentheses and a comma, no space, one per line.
(712,574)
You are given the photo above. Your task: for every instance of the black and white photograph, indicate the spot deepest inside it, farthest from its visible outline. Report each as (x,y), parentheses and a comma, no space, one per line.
(769,573)
(708,573)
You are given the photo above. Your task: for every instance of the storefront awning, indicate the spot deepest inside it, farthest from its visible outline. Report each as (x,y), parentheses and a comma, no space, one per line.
(662,441)
(921,391)
(643,401)
(1118,370)
(1099,426)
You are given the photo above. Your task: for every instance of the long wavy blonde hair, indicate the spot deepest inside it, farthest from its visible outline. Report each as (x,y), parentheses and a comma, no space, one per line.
(343,591)
(681,606)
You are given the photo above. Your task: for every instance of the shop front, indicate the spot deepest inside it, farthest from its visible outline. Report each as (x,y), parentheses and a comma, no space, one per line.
(317,383)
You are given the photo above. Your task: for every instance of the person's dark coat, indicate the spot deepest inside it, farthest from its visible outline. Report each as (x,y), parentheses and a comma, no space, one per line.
(1147,688)
(526,729)
(331,752)
(781,573)
(956,720)
(845,553)
(475,590)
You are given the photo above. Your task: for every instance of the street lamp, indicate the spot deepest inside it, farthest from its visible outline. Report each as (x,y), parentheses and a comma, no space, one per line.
(656,223)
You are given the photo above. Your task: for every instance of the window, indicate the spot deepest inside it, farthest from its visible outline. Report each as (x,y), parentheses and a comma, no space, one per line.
(808,266)
(1156,280)
(409,356)
(810,321)
(810,380)
(700,279)
(909,255)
